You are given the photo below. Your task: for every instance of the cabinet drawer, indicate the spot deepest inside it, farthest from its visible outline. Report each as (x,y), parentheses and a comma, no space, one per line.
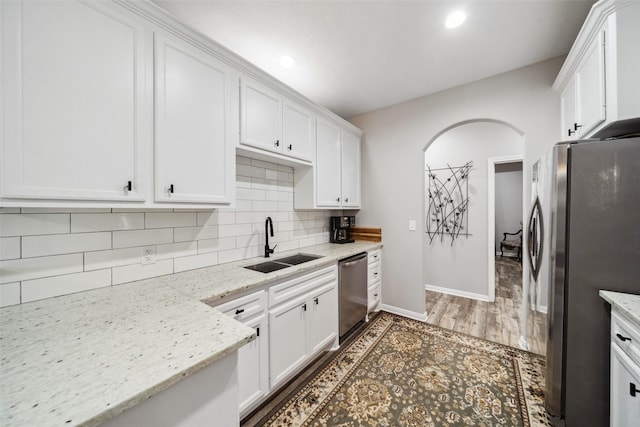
(373,296)
(625,335)
(374,256)
(245,307)
(373,273)
(300,285)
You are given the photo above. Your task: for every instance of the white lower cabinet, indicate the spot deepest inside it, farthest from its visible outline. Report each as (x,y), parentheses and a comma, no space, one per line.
(303,320)
(253,358)
(625,372)
(374,280)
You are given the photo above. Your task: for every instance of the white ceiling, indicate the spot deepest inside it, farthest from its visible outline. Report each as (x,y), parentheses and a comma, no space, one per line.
(357,56)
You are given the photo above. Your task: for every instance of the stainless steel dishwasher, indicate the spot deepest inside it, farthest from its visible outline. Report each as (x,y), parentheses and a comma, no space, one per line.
(352,276)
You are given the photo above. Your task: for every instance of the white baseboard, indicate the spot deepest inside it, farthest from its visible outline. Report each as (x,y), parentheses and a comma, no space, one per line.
(457,293)
(422,317)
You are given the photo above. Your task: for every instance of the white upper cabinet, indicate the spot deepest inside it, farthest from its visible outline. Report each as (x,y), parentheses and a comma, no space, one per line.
(599,80)
(350,170)
(334,182)
(298,131)
(76,102)
(271,122)
(196,124)
(328,161)
(583,99)
(261,116)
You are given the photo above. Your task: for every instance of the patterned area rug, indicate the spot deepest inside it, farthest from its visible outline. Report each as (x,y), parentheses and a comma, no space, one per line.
(401,372)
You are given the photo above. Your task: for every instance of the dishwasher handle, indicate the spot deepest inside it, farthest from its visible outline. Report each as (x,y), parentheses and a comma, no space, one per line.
(353,260)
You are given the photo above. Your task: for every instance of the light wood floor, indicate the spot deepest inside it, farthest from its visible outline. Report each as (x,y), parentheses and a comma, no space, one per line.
(498,321)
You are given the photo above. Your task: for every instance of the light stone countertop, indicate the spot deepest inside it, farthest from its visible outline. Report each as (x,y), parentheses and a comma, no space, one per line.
(83,358)
(628,304)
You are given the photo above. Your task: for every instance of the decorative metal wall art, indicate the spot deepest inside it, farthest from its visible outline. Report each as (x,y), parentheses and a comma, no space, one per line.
(447,201)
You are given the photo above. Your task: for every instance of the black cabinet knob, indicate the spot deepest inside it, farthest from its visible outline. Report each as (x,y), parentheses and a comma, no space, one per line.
(277,143)
(290,147)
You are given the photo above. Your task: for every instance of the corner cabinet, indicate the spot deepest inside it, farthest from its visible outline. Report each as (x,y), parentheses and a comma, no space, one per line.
(195,121)
(625,371)
(598,81)
(334,182)
(273,123)
(77,102)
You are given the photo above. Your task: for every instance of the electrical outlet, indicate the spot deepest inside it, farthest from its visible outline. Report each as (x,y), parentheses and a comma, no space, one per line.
(412,225)
(148,255)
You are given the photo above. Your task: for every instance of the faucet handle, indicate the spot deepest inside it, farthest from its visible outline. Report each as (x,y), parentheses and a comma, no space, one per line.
(272,250)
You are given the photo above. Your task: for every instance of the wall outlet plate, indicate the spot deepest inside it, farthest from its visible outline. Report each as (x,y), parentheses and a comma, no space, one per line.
(148,255)
(412,225)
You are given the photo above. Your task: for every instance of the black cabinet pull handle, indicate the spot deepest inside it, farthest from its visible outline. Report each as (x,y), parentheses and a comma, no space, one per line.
(277,143)
(129,186)
(240,310)
(623,338)
(346,200)
(315,300)
(304,307)
(633,390)
(290,147)
(257,332)
(171,189)
(576,126)
(570,132)
(375,295)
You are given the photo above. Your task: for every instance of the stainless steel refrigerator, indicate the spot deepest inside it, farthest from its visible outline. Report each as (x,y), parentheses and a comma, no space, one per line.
(594,244)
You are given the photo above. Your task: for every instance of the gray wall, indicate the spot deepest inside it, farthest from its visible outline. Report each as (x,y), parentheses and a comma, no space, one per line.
(392,160)
(509,217)
(477,142)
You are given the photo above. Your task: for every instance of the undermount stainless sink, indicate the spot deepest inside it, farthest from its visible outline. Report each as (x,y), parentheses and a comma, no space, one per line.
(279,264)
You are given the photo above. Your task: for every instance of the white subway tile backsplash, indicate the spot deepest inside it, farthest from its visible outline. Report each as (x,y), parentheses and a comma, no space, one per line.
(234,230)
(86,223)
(33,290)
(33,224)
(9,294)
(175,250)
(195,233)
(56,244)
(54,251)
(196,261)
(130,273)
(124,239)
(214,245)
(114,258)
(9,247)
(16,270)
(165,220)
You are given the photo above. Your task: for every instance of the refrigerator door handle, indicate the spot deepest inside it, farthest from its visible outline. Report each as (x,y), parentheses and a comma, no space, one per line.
(535,238)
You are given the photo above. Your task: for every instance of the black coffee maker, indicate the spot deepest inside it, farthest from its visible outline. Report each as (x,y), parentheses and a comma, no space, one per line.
(341,229)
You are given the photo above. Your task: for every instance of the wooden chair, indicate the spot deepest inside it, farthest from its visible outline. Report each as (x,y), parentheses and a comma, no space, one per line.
(514,244)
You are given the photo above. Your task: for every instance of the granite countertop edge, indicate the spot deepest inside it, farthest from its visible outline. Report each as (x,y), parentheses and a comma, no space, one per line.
(161,300)
(627,304)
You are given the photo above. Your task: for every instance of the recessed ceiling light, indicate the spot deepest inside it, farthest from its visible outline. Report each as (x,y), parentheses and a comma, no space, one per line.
(287,61)
(455,19)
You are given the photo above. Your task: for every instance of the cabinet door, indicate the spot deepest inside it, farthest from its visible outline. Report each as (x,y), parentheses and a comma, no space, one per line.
(568,110)
(287,339)
(590,87)
(195,150)
(76,101)
(625,377)
(298,131)
(350,170)
(261,116)
(328,165)
(323,319)
(253,366)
